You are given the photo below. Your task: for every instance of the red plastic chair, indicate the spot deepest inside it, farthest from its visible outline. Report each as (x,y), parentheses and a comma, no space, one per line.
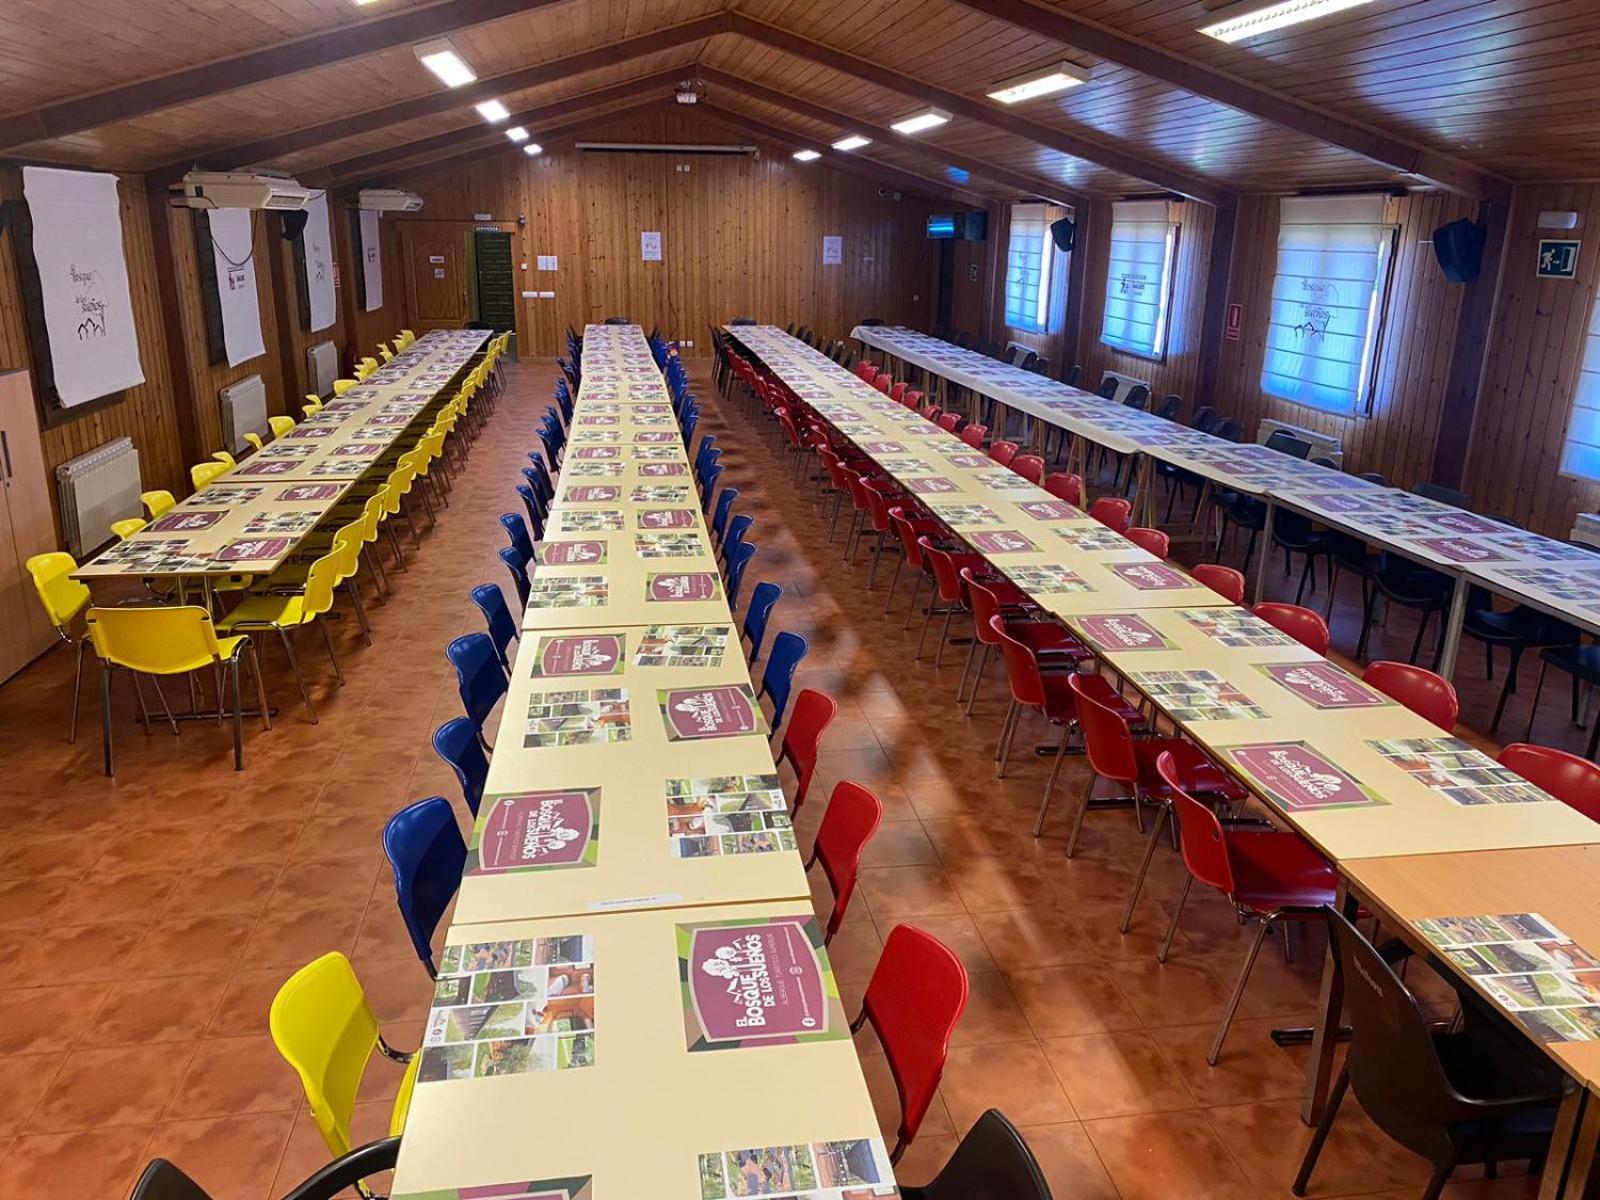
(852,817)
(1267,875)
(917,993)
(883,383)
(991,598)
(1302,624)
(1224,581)
(1570,779)
(879,493)
(1428,695)
(913,400)
(1002,452)
(910,529)
(813,712)
(949,598)
(1115,754)
(898,392)
(932,413)
(866,371)
(973,435)
(1064,485)
(1113,512)
(1153,540)
(949,421)
(1030,467)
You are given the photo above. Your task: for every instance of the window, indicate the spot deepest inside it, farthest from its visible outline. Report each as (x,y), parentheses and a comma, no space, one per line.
(1581,454)
(1144,245)
(1028,269)
(1334,259)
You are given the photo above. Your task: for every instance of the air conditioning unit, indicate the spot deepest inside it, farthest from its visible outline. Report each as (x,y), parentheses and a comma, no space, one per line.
(388,200)
(1323,445)
(241,189)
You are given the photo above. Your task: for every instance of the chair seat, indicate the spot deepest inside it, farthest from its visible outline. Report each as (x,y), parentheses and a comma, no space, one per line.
(1202,778)
(1582,661)
(282,612)
(1049,640)
(1273,870)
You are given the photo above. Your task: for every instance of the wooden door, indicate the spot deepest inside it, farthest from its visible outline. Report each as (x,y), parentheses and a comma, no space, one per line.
(436,277)
(26,525)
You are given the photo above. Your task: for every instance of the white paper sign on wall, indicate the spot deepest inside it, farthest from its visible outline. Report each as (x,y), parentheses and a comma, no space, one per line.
(83,276)
(547,262)
(832,250)
(371,260)
(650,245)
(232,252)
(319,264)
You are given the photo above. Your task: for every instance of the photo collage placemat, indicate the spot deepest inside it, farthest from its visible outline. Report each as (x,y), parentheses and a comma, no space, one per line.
(1457,772)
(857,1169)
(588,717)
(727,814)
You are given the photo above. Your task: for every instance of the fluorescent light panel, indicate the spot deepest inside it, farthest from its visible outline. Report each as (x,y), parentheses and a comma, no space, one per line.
(517,133)
(918,122)
(1275,16)
(854,142)
(532,148)
(808,155)
(440,57)
(493,111)
(1045,82)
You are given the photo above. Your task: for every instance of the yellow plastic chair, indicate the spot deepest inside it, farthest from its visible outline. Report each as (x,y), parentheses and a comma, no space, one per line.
(385,353)
(222,456)
(312,406)
(285,614)
(415,462)
(203,473)
(393,492)
(65,599)
(282,425)
(341,386)
(171,641)
(408,335)
(325,1029)
(157,502)
(255,441)
(127,527)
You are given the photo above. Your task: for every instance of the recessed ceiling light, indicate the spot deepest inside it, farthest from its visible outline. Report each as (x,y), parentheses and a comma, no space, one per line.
(532,148)
(1274,16)
(517,133)
(854,142)
(1039,83)
(808,155)
(493,111)
(928,118)
(440,57)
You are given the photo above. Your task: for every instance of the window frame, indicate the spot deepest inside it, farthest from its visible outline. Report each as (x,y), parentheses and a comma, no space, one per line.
(1168,285)
(1590,336)
(1046,286)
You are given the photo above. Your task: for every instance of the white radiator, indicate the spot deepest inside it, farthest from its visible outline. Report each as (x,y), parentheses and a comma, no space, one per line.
(244,410)
(96,489)
(1125,383)
(322,367)
(1323,445)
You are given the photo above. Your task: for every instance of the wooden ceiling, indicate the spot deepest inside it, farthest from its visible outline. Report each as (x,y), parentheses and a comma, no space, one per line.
(1473,95)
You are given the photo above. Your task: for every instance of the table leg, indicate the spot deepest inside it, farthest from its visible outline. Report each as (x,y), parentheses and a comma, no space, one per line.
(1572,1141)
(1452,634)
(1142,501)
(1266,552)
(1330,1006)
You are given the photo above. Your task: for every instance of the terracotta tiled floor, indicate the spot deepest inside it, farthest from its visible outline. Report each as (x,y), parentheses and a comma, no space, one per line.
(145,924)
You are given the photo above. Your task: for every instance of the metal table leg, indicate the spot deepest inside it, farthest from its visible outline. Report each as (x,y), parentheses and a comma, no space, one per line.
(1452,635)
(1330,1004)
(1266,552)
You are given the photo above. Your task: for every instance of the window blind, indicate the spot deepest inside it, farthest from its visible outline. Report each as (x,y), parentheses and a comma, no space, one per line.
(1581,454)
(1028,259)
(1139,277)
(1327,296)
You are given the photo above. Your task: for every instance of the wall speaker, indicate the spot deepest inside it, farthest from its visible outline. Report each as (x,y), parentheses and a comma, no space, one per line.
(294,224)
(1063,233)
(1459,249)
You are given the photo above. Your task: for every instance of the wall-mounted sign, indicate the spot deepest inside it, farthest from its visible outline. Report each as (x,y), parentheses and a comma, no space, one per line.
(832,250)
(483,216)
(548,262)
(438,272)
(1234,322)
(435,258)
(650,245)
(1558,258)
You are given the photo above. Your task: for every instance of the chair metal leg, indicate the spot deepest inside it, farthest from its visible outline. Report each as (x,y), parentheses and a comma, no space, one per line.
(261,686)
(105,717)
(1050,784)
(1005,726)
(911,608)
(1009,739)
(966,669)
(1177,915)
(1162,813)
(924,635)
(1083,811)
(238,716)
(977,678)
(1238,988)
(1506,688)
(1422,627)
(944,637)
(360,607)
(333,657)
(77,691)
(1314,1150)
(294,665)
(894,581)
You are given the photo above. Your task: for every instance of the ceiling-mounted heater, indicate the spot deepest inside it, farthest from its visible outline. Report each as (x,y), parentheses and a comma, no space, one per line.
(666,148)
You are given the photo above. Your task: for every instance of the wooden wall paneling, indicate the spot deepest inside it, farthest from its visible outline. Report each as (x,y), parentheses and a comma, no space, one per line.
(367,329)
(293,339)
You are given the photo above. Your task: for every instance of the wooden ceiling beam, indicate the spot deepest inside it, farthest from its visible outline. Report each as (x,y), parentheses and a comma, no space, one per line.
(1104,154)
(1030,185)
(481,135)
(1394,153)
(185,86)
(312,136)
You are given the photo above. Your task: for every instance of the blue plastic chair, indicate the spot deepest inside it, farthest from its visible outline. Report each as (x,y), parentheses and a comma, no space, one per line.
(719,522)
(687,421)
(479,677)
(456,741)
(755,617)
(491,602)
(552,446)
(517,530)
(427,855)
(787,651)
(707,485)
(536,503)
(531,503)
(737,529)
(518,566)
(707,445)
(539,476)
(738,559)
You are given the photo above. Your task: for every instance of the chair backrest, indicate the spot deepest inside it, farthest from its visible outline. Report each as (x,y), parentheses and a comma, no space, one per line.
(324,1028)
(1286,443)
(325,573)
(992,1162)
(1205,418)
(1428,695)
(491,602)
(456,741)
(1153,540)
(719,520)
(157,501)
(973,435)
(814,711)
(1002,452)
(1107,740)
(161,1180)
(1029,466)
(1200,833)
(762,598)
(945,576)
(1171,405)
(1229,429)
(1225,581)
(427,855)
(1572,780)
(788,649)
(518,566)
(158,640)
(1138,397)
(853,816)
(1022,666)
(62,596)
(1304,625)
(883,383)
(1108,388)
(203,473)
(917,993)
(738,559)
(1444,495)
(517,531)
(480,678)
(1065,486)
(1113,512)
(127,527)
(948,421)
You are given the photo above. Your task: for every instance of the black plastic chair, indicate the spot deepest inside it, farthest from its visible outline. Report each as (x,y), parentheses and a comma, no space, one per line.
(1246,511)
(1108,388)
(1074,373)
(1169,408)
(1477,1096)
(1412,585)
(618,321)
(992,1162)
(1039,366)
(163,1181)
(1583,664)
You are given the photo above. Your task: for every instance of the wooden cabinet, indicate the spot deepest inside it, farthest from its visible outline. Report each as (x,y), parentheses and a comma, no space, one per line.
(26,525)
